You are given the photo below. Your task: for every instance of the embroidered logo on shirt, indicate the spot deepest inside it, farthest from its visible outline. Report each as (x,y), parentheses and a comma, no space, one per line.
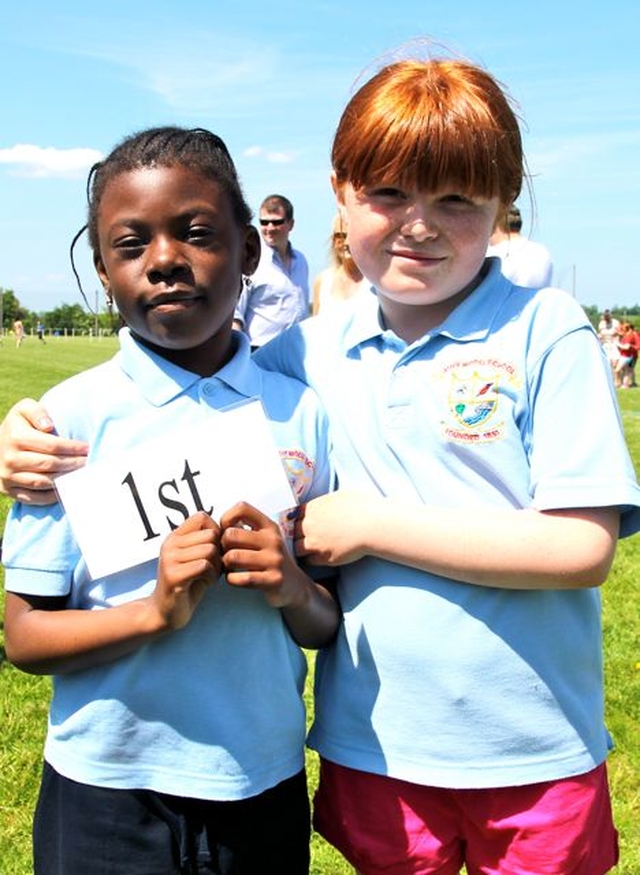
(300,469)
(473,399)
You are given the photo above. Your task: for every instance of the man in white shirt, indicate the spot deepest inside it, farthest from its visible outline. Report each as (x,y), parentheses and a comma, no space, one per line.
(277,295)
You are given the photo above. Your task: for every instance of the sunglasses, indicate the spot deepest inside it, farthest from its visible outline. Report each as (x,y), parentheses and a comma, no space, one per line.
(276,222)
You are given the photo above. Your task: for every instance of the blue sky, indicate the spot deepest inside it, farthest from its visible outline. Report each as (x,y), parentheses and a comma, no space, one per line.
(271,79)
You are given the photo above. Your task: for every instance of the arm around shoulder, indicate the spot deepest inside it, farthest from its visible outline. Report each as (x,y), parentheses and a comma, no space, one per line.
(31,454)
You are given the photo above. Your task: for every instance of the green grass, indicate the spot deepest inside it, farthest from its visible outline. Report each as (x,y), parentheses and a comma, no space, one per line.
(24,698)
(35,367)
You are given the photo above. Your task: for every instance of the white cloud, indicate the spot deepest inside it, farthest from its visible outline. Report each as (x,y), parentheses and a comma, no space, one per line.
(588,155)
(46,162)
(269,157)
(212,71)
(280,157)
(224,76)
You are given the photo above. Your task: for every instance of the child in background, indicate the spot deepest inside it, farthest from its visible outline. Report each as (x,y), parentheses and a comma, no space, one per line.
(608,330)
(177,708)
(484,481)
(627,348)
(18,330)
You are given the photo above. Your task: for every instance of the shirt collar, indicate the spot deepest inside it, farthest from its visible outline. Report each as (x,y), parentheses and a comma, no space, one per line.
(471,320)
(364,322)
(273,254)
(160,381)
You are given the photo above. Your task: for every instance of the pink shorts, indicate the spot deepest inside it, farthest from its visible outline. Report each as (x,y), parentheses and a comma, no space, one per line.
(381,824)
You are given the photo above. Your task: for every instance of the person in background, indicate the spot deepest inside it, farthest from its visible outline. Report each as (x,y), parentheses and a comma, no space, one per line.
(277,295)
(177,708)
(40,331)
(608,333)
(628,344)
(18,331)
(342,280)
(524,262)
(635,342)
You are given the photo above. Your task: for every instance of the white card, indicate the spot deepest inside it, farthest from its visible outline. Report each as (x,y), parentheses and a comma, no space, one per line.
(121,509)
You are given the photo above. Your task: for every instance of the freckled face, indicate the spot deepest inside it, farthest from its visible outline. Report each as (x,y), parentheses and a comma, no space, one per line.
(172,255)
(418,248)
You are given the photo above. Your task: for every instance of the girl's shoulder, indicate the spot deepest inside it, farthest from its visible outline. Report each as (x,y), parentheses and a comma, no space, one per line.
(85,382)
(84,397)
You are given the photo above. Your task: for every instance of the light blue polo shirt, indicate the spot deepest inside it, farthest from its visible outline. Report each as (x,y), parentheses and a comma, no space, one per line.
(507,404)
(213,711)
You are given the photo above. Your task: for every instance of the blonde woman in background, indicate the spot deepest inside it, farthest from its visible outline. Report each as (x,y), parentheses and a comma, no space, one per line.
(342,280)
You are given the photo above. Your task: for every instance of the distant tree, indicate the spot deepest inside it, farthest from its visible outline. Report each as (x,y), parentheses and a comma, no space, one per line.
(619,312)
(68,317)
(593,313)
(626,312)
(12,309)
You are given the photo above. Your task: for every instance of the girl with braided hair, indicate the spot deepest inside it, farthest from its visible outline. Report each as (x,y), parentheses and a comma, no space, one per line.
(177,709)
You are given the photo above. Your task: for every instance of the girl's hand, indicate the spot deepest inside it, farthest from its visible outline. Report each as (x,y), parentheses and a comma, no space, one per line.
(333,529)
(44,636)
(30,454)
(254,555)
(189,563)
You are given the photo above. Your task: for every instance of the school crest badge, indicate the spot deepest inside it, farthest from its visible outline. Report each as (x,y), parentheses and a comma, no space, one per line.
(474,391)
(474,399)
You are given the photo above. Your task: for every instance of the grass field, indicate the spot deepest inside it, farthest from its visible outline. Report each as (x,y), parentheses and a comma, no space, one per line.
(24,698)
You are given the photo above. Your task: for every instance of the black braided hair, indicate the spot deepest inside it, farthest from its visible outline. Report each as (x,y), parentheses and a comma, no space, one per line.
(196,148)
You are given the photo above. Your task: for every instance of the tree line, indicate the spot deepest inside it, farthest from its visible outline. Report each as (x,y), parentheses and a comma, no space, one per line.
(65,319)
(73,318)
(622,314)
